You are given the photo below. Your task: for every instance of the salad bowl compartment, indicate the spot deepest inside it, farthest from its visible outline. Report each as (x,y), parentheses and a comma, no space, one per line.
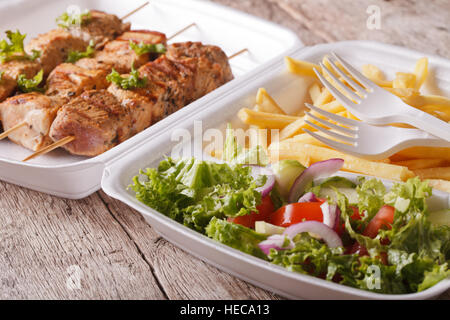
(290,92)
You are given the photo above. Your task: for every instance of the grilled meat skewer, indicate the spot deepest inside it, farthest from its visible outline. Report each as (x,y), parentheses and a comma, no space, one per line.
(106,118)
(55,45)
(66,82)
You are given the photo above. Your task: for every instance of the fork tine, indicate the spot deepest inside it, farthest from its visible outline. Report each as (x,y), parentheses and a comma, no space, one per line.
(355,73)
(349,80)
(344,88)
(332,125)
(332,116)
(346,102)
(334,144)
(331,133)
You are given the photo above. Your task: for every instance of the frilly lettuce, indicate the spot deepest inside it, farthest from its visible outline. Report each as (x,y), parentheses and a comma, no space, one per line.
(192,191)
(236,236)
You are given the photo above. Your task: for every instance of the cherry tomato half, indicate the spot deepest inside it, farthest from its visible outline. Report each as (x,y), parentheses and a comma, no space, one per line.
(265,209)
(383,219)
(297,212)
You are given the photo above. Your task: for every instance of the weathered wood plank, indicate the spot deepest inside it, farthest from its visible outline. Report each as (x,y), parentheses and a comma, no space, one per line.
(416,24)
(268,10)
(41,237)
(179,274)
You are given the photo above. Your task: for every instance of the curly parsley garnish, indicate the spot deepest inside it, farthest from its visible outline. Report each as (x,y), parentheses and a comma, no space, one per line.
(14,49)
(30,85)
(128,83)
(74,56)
(143,48)
(67,20)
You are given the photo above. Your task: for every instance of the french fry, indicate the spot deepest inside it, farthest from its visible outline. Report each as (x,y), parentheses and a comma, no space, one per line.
(298,126)
(305,138)
(376,75)
(440,112)
(324,98)
(274,155)
(295,150)
(421,72)
(423,153)
(407,94)
(314,93)
(416,164)
(442,173)
(438,184)
(294,128)
(333,107)
(404,80)
(417,100)
(266,103)
(301,68)
(264,119)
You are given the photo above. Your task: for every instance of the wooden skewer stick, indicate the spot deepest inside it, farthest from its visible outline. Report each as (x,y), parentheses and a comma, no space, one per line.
(11,130)
(237,54)
(135,10)
(181,31)
(51,147)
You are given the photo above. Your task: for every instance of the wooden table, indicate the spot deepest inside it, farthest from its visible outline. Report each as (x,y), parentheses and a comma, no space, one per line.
(47,243)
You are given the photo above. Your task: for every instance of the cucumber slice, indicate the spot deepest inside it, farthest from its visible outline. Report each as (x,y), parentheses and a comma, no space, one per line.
(350,193)
(267,228)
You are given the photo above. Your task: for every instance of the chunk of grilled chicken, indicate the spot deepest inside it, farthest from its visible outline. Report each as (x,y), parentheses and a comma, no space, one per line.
(171,85)
(117,54)
(7,87)
(100,27)
(55,46)
(165,92)
(11,71)
(38,111)
(96,119)
(210,62)
(68,81)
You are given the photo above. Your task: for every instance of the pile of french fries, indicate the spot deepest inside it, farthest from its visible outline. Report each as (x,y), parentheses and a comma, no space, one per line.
(283,136)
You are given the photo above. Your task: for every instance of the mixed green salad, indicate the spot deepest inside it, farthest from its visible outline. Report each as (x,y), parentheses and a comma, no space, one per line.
(308,220)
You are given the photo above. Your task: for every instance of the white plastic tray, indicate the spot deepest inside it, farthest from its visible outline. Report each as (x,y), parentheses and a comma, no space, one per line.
(61,174)
(288,90)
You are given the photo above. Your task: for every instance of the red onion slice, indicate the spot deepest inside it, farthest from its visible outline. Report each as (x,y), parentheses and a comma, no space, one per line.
(317,170)
(329,214)
(327,234)
(270,183)
(308,197)
(276,242)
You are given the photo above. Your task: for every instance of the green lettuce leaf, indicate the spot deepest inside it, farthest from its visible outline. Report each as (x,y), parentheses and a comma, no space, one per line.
(143,48)
(14,49)
(74,56)
(31,85)
(236,236)
(233,153)
(192,191)
(133,81)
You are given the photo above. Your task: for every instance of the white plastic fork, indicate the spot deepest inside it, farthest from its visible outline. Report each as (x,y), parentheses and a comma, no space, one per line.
(375,105)
(364,140)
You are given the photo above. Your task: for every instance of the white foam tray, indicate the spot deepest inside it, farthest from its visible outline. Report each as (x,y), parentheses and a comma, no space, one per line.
(289,91)
(63,175)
